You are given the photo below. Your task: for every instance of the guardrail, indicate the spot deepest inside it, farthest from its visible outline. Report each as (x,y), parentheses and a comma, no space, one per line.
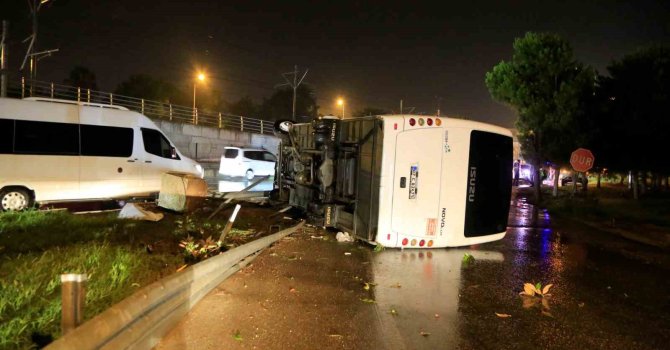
(152,109)
(141,320)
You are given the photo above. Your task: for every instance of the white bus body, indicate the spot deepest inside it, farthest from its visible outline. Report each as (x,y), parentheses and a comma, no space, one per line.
(53,150)
(401,181)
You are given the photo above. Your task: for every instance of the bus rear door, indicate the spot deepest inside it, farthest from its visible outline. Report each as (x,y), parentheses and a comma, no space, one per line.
(417,181)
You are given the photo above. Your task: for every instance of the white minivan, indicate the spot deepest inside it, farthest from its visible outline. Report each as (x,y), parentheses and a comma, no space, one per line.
(247,162)
(57,150)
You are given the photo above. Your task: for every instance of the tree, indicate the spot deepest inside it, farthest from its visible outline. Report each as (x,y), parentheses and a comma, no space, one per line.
(635,101)
(149,88)
(368,111)
(280,104)
(245,106)
(81,77)
(549,90)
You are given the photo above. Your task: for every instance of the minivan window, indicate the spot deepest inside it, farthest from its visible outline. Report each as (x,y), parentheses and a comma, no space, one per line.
(230,153)
(253,155)
(248,154)
(46,138)
(106,141)
(6,136)
(269,157)
(156,144)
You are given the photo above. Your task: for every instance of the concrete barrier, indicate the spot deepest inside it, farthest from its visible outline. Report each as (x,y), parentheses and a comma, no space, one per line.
(141,320)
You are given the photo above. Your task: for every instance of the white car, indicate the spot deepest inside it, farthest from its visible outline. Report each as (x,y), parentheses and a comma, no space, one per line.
(247,162)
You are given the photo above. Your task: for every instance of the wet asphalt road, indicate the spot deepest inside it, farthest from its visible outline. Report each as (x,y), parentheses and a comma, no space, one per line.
(306,293)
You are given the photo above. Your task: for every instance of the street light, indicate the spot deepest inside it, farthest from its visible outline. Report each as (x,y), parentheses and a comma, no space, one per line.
(340,102)
(200,77)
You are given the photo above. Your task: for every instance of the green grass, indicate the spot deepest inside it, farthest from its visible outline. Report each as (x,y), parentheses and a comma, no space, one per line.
(34,230)
(30,284)
(36,247)
(610,203)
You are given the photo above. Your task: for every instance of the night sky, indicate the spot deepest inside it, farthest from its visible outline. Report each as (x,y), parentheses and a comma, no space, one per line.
(371,54)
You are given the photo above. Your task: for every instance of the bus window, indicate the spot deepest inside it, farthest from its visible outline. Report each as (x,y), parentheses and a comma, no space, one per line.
(6,136)
(46,138)
(156,144)
(106,141)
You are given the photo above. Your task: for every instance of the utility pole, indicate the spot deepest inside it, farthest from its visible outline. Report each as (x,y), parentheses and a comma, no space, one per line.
(294,84)
(3,60)
(35,6)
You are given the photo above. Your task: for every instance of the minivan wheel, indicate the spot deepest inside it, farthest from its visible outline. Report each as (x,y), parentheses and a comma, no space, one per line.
(249,175)
(15,199)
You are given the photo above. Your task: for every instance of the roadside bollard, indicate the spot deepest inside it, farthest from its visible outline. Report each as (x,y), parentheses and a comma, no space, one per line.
(229,225)
(73,297)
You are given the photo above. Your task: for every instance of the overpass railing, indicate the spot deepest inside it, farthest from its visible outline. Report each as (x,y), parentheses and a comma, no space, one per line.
(152,109)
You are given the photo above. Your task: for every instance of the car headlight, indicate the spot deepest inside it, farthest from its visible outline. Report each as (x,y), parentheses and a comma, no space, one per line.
(198,168)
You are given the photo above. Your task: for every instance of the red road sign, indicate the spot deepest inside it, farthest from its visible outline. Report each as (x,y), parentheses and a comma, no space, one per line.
(582,160)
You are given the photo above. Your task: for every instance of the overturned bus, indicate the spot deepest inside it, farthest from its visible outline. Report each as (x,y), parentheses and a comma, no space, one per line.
(406,181)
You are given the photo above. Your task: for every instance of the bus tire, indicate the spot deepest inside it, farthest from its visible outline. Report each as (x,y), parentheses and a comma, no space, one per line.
(15,199)
(282,127)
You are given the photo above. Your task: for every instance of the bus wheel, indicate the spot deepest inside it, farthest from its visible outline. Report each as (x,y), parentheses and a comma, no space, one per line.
(15,199)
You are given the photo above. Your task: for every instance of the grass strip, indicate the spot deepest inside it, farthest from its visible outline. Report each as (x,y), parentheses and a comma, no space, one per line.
(30,285)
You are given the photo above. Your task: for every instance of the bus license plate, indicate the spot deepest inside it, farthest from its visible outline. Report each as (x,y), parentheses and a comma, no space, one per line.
(413,179)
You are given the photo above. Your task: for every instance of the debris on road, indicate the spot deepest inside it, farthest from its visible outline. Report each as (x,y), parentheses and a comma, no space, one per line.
(181,192)
(344,237)
(468,259)
(425,334)
(134,211)
(532,290)
(347,253)
(503,315)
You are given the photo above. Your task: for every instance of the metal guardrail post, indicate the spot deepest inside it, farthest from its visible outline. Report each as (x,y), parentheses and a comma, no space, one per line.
(111,99)
(142,106)
(52,90)
(220,124)
(88,95)
(78,94)
(229,224)
(195,116)
(261,126)
(170,111)
(23,87)
(241,123)
(73,297)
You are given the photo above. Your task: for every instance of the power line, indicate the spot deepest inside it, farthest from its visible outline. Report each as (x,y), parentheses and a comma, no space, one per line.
(294,84)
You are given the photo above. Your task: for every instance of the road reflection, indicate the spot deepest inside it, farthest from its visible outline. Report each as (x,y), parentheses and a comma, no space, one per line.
(418,292)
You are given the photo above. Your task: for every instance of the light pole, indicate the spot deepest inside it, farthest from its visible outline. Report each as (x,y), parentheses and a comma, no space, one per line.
(200,77)
(340,102)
